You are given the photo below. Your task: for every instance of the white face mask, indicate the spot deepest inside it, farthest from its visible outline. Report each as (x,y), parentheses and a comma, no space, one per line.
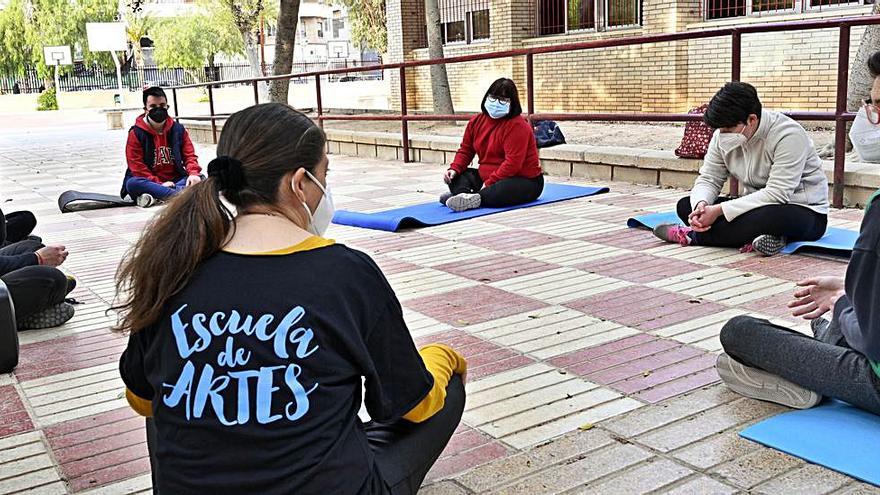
(320,220)
(729,141)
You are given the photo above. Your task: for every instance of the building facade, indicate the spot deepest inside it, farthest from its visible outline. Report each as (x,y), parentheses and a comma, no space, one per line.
(792,70)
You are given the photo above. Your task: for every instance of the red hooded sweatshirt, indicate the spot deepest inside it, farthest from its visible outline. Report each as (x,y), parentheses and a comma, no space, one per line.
(163,168)
(506,148)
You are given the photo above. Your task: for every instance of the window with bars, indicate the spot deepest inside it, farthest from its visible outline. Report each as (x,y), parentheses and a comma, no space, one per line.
(724,9)
(464,21)
(571,16)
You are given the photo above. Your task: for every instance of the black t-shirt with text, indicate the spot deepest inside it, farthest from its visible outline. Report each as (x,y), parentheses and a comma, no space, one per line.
(254,373)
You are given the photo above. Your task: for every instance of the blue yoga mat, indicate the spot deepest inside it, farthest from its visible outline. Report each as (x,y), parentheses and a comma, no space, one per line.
(835,435)
(840,241)
(434,213)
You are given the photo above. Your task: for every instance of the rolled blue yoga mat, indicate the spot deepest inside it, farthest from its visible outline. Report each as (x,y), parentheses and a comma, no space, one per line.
(839,241)
(434,213)
(835,435)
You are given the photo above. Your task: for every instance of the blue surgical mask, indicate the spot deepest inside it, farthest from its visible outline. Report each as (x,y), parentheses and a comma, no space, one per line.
(497,109)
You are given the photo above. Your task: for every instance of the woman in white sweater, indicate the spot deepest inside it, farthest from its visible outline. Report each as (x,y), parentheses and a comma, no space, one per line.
(786,190)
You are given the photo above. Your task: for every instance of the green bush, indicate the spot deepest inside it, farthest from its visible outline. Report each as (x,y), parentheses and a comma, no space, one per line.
(47,100)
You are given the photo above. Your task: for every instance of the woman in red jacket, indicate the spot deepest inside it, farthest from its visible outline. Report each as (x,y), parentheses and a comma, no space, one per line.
(509,172)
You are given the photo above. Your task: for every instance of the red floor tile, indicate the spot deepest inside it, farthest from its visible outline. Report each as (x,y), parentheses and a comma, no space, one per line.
(495,268)
(645,308)
(14,418)
(473,305)
(632,200)
(791,267)
(397,242)
(512,240)
(594,352)
(71,353)
(680,386)
(391,266)
(639,268)
(451,465)
(100,449)
(632,239)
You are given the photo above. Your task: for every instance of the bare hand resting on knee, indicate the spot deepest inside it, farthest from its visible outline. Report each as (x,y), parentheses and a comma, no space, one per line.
(817,296)
(52,255)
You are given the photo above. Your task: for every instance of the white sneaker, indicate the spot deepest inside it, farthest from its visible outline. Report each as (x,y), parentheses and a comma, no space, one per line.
(146,200)
(761,385)
(464,201)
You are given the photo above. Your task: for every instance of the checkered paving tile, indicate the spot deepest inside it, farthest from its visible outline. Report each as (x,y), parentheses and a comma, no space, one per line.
(511,240)
(639,268)
(792,268)
(14,418)
(494,268)
(573,325)
(100,449)
(645,308)
(470,306)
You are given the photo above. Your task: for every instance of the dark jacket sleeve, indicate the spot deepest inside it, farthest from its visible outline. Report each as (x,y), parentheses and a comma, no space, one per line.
(858,311)
(11,263)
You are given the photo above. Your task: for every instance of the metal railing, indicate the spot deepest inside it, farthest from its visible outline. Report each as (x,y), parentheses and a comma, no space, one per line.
(839,116)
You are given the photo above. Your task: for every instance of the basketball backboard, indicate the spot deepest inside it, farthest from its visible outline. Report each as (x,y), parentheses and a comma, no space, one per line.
(106,36)
(57,55)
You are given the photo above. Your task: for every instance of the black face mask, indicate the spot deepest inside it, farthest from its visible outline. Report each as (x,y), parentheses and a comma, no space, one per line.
(158,114)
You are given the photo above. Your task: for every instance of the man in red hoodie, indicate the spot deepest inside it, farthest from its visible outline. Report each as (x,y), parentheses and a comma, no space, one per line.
(161,158)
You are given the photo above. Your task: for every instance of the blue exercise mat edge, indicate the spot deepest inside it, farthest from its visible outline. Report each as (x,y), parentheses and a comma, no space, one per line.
(433,213)
(835,239)
(834,434)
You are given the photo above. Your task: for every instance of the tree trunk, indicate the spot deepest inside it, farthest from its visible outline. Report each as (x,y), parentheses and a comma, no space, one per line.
(439,81)
(251,50)
(288,15)
(860,78)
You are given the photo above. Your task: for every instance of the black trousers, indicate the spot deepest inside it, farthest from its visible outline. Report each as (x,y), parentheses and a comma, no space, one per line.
(16,226)
(794,222)
(33,288)
(404,451)
(507,192)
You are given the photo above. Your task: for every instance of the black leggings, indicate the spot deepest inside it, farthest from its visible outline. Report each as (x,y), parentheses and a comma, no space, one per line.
(505,192)
(794,222)
(33,288)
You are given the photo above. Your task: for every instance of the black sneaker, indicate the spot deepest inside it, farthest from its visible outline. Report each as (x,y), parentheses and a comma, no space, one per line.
(445,196)
(768,245)
(50,317)
(71,284)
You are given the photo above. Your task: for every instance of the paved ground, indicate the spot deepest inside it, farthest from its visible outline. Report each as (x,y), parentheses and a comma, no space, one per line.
(590,345)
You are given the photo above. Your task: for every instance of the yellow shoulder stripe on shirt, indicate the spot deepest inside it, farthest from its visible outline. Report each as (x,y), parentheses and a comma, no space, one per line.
(313,242)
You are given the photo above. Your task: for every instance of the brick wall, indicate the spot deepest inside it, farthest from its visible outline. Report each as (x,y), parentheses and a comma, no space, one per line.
(792,71)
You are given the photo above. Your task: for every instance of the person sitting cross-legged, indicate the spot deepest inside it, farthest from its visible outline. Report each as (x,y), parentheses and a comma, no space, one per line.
(37,288)
(509,172)
(254,340)
(842,360)
(160,155)
(771,155)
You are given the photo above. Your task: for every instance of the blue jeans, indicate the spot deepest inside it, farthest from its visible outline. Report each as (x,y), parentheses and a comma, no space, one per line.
(140,185)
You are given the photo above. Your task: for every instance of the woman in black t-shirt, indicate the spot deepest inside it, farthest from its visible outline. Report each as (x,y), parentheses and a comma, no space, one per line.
(251,335)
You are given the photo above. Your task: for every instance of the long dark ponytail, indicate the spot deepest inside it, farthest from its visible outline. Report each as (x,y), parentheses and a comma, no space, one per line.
(258,146)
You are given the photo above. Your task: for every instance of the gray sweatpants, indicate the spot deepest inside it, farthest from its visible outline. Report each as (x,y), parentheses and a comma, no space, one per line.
(825,364)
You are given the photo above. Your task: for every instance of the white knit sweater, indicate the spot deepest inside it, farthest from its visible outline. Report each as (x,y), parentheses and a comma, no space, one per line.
(776,166)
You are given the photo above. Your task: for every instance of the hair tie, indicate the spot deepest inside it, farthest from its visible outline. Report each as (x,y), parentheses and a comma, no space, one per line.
(229,173)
